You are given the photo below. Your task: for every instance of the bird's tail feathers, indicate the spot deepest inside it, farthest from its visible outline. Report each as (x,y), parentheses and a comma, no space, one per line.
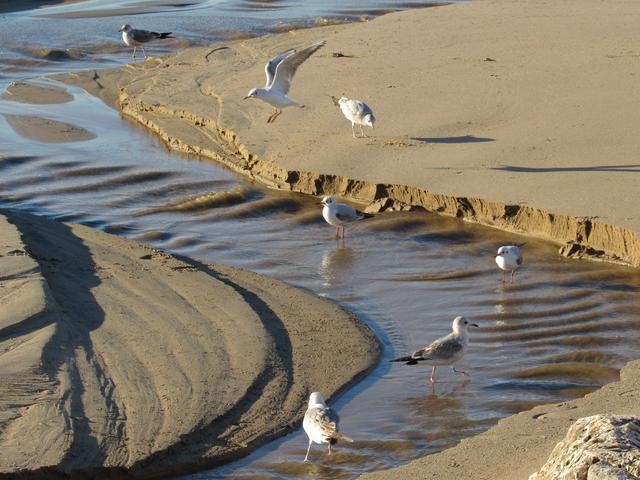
(409,359)
(342,437)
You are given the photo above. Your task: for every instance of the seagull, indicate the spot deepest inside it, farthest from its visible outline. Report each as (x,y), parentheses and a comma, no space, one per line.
(509,258)
(447,350)
(340,214)
(321,424)
(357,112)
(280,71)
(134,38)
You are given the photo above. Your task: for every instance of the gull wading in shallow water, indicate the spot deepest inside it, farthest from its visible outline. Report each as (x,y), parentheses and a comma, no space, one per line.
(340,214)
(509,259)
(280,71)
(137,38)
(321,424)
(444,351)
(358,113)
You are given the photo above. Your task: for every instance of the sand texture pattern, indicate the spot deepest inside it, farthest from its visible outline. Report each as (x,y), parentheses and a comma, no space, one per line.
(116,357)
(517,115)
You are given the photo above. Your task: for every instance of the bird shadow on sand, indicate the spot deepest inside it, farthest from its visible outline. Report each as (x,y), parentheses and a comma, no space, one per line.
(597,168)
(461,139)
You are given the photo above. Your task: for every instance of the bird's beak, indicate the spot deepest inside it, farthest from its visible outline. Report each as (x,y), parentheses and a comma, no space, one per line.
(248,96)
(474,325)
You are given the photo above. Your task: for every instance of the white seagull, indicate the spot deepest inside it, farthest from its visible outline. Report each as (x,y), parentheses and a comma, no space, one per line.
(321,424)
(137,38)
(447,350)
(280,71)
(358,113)
(509,258)
(340,214)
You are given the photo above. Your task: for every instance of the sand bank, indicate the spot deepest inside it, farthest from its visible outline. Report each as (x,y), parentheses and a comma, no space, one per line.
(36,94)
(47,130)
(117,357)
(8,7)
(511,114)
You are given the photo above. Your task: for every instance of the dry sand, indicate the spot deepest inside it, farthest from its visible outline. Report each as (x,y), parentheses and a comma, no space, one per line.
(115,356)
(519,114)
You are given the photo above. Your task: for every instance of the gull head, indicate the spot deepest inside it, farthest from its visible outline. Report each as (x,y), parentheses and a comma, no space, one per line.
(342,100)
(369,119)
(460,324)
(125,28)
(316,399)
(328,201)
(252,93)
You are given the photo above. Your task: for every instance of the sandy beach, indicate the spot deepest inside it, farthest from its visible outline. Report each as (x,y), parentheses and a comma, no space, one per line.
(516,115)
(122,358)
(497,112)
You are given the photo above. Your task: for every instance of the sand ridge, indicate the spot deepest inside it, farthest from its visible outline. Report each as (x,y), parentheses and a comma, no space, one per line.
(120,357)
(497,112)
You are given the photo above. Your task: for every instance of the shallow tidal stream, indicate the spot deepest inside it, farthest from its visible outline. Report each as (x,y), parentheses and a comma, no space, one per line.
(562,330)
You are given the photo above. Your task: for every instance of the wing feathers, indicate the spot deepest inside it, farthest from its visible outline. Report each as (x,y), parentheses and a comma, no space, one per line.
(270,67)
(287,67)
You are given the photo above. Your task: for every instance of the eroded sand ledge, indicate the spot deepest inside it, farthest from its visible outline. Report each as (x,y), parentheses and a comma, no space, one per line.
(117,358)
(506,109)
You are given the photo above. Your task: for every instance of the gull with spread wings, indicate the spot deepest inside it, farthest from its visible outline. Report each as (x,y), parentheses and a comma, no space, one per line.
(280,71)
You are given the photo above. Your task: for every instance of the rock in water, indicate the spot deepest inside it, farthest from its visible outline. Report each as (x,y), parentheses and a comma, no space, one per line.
(599,447)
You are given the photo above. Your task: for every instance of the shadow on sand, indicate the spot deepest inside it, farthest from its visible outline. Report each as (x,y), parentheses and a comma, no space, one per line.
(597,168)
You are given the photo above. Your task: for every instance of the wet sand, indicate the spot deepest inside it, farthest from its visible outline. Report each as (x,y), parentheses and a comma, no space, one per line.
(35,94)
(8,7)
(496,112)
(47,130)
(120,357)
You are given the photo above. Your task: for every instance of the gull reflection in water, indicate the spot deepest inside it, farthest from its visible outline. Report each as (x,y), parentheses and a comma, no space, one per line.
(440,412)
(337,264)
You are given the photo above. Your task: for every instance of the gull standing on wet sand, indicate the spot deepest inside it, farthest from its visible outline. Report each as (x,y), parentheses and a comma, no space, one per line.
(134,38)
(340,214)
(280,71)
(321,424)
(358,113)
(509,258)
(445,351)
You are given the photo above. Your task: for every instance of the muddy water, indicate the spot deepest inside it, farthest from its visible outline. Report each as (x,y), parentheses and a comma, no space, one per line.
(562,330)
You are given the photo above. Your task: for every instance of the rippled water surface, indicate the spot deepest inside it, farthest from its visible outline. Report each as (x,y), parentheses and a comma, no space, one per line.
(563,329)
